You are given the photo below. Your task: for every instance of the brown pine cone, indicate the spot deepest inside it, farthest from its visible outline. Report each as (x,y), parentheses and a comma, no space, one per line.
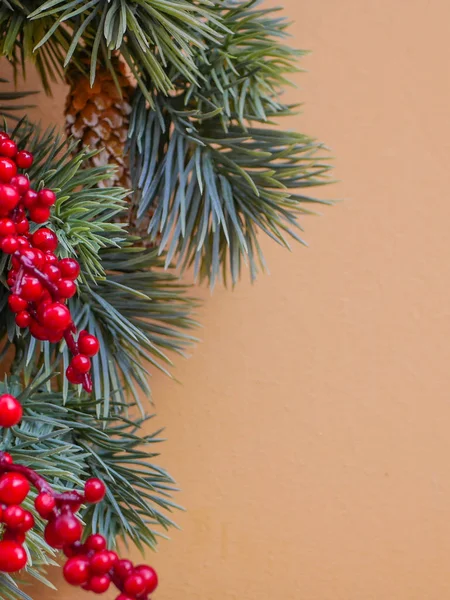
(98,116)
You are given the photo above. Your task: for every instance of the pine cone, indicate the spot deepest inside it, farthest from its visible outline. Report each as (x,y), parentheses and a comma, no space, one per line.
(98,116)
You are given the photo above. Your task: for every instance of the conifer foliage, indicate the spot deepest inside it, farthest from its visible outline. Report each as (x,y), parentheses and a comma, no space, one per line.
(173,156)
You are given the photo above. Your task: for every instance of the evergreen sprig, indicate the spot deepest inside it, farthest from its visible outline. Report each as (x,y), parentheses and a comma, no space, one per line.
(210,163)
(63,439)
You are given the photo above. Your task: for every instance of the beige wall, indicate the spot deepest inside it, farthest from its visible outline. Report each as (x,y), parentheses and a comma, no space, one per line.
(311,433)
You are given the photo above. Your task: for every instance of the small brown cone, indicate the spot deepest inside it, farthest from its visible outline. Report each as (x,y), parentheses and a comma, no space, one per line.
(98,116)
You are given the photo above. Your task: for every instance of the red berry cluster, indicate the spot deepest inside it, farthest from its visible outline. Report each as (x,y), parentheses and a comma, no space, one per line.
(90,564)
(40,282)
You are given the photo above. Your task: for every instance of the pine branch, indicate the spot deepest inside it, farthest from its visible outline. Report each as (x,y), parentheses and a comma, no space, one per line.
(65,442)
(211,176)
(8,105)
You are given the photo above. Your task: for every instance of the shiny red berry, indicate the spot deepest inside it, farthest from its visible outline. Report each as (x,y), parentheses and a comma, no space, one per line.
(21,183)
(23,319)
(9,198)
(7,227)
(44,504)
(24,159)
(73,376)
(52,272)
(30,199)
(149,576)
(76,570)
(123,568)
(10,411)
(66,288)
(38,331)
(31,289)
(69,268)
(26,524)
(13,516)
(8,169)
(8,148)
(94,490)
(68,528)
(39,214)
(88,344)
(134,585)
(47,197)
(14,536)
(81,363)
(99,583)
(23,226)
(10,244)
(45,239)
(12,556)
(124,597)
(101,563)
(4,136)
(95,542)
(6,458)
(16,303)
(14,488)
(56,317)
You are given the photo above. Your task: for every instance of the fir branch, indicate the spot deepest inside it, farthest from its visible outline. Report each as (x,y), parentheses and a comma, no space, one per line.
(65,442)
(8,105)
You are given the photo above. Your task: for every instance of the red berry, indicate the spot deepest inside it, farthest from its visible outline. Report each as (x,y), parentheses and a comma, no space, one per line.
(94,490)
(14,536)
(12,556)
(56,317)
(149,576)
(74,376)
(10,411)
(21,183)
(27,523)
(47,197)
(4,136)
(134,585)
(24,244)
(113,557)
(44,504)
(8,169)
(23,226)
(23,319)
(81,363)
(7,227)
(95,542)
(73,549)
(123,568)
(31,289)
(10,244)
(52,272)
(68,528)
(16,303)
(45,239)
(124,597)
(88,344)
(50,258)
(52,537)
(24,159)
(66,288)
(8,148)
(99,583)
(30,199)
(39,214)
(69,268)
(13,516)
(38,331)
(9,198)
(6,458)
(76,570)
(14,488)
(101,562)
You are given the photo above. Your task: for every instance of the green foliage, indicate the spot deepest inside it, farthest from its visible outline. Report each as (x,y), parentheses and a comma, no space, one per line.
(139,312)
(211,174)
(150,34)
(8,105)
(64,441)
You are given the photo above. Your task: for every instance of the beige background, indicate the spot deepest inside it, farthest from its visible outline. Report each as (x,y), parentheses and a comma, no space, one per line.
(311,433)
